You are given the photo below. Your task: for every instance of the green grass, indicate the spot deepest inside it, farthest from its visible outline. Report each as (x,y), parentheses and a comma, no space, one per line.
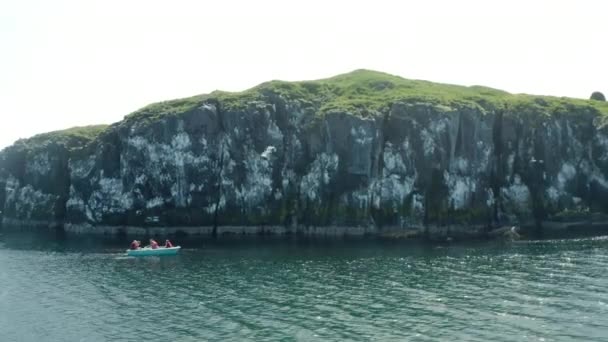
(366,92)
(74,137)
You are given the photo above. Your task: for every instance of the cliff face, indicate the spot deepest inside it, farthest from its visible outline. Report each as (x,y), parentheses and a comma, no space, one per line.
(364,150)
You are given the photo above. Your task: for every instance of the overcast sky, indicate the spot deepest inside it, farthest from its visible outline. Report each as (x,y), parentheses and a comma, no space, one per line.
(66,63)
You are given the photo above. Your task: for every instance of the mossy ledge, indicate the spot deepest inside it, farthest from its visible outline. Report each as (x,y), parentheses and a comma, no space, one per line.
(367,92)
(364,152)
(71,138)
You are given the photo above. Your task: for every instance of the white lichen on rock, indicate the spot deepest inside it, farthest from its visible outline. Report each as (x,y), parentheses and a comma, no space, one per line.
(460,189)
(517,195)
(39,164)
(109,198)
(321,171)
(258,180)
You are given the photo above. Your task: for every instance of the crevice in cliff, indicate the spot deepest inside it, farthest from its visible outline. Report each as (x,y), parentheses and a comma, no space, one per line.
(64,194)
(497,172)
(458,146)
(288,206)
(377,171)
(111,152)
(436,197)
(2,199)
(3,177)
(536,181)
(218,191)
(220,169)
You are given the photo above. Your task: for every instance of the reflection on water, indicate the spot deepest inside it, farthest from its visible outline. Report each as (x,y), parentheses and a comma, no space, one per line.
(277,289)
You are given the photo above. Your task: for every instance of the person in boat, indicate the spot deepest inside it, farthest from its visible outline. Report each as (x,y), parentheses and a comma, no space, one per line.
(153,244)
(168,244)
(135,244)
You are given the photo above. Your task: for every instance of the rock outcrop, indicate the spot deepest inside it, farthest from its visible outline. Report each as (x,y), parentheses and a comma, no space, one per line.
(363,152)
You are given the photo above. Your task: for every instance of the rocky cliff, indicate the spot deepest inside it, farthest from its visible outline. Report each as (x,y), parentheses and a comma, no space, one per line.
(364,152)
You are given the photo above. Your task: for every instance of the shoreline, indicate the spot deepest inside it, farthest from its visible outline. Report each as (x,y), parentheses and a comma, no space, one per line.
(446,233)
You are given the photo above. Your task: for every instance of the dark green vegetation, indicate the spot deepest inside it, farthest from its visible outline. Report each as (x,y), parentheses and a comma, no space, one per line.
(596,95)
(74,137)
(367,92)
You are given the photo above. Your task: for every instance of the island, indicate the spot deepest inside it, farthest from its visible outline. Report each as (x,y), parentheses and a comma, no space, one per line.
(362,153)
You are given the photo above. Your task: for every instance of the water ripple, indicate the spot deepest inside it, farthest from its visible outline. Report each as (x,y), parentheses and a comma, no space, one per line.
(552,290)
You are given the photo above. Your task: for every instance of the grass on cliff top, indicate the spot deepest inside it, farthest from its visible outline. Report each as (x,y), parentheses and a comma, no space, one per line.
(367,92)
(71,138)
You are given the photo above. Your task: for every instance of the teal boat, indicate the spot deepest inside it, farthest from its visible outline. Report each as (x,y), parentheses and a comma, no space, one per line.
(146,251)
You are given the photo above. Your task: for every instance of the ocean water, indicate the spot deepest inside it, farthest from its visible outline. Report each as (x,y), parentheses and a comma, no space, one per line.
(52,289)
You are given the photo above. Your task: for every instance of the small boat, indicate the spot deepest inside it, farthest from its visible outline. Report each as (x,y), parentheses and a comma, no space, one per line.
(147,251)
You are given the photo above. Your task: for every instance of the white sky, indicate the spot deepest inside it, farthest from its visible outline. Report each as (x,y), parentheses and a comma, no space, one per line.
(65,63)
